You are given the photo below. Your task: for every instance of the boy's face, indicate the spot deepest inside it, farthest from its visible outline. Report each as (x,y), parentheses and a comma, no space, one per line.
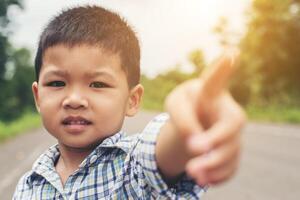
(83,94)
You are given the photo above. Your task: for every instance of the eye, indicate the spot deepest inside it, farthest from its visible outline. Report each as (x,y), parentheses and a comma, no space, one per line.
(98,85)
(56,84)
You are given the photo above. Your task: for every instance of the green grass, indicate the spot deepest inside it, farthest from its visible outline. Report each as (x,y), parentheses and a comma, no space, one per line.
(278,114)
(27,122)
(147,104)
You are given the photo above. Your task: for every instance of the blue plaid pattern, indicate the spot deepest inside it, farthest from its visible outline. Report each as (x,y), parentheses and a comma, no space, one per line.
(121,167)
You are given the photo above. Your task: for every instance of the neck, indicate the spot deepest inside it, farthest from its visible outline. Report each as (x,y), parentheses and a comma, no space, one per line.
(70,158)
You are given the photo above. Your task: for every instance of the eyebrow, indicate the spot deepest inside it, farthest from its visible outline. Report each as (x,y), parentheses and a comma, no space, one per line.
(61,73)
(99,73)
(56,73)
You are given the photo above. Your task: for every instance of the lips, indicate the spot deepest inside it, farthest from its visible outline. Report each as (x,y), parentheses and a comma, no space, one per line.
(76,121)
(75,124)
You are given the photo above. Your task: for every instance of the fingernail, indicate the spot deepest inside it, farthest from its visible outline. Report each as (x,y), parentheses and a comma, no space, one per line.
(233,53)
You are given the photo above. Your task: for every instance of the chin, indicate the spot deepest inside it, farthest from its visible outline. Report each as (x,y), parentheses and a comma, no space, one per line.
(81,146)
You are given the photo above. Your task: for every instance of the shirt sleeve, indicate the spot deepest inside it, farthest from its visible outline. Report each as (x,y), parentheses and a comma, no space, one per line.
(185,188)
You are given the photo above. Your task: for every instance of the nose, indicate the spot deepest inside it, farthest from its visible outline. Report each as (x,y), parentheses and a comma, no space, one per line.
(75,100)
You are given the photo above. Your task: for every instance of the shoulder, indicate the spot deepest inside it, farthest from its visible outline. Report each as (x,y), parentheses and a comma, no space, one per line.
(25,178)
(146,141)
(42,164)
(24,186)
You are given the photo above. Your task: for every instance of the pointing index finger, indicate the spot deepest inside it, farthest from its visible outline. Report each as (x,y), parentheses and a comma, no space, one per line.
(216,77)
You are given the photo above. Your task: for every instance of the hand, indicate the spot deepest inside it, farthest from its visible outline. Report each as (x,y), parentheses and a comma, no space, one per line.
(209,121)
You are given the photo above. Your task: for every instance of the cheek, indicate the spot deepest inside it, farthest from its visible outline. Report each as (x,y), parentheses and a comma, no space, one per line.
(110,110)
(49,101)
(115,101)
(49,124)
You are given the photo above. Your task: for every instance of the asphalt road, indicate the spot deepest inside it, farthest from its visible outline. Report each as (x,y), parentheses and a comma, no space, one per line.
(269,170)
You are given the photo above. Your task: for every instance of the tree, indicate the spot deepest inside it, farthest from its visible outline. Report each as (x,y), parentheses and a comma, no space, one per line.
(166,82)
(270,51)
(240,85)
(16,71)
(197,59)
(269,64)
(4,21)
(221,29)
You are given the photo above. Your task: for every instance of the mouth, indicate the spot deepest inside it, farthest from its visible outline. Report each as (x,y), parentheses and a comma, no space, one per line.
(75,124)
(76,121)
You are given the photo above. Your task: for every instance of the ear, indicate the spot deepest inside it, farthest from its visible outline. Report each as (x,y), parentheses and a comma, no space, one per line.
(134,100)
(35,91)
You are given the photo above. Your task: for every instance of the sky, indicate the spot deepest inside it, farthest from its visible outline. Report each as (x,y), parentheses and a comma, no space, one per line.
(168,30)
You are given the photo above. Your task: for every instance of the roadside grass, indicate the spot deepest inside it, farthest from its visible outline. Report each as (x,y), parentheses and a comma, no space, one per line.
(148,104)
(276,114)
(27,122)
(273,113)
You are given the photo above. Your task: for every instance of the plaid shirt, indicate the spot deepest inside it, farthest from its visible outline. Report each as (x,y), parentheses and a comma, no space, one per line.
(121,167)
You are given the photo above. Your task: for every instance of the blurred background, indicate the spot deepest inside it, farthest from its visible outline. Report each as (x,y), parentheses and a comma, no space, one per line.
(178,40)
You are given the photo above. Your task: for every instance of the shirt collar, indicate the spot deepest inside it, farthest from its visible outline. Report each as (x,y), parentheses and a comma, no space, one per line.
(46,162)
(112,140)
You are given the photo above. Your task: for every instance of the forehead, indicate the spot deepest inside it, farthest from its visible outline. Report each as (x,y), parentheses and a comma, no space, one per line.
(80,57)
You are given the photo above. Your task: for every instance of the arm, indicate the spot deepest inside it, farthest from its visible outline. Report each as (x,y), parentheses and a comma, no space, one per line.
(202,135)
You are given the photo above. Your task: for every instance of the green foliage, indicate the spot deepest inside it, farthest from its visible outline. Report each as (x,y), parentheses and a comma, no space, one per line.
(16,71)
(267,81)
(196,57)
(4,21)
(158,88)
(270,64)
(26,122)
(3,57)
(222,30)
(16,96)
(274,113)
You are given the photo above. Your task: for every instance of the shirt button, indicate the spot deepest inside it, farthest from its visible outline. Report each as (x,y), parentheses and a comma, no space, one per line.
(93,159)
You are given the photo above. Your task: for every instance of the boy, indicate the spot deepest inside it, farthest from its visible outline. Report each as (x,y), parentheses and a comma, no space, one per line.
(87,81)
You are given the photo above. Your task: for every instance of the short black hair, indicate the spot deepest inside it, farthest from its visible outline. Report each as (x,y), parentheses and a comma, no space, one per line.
(93,25)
